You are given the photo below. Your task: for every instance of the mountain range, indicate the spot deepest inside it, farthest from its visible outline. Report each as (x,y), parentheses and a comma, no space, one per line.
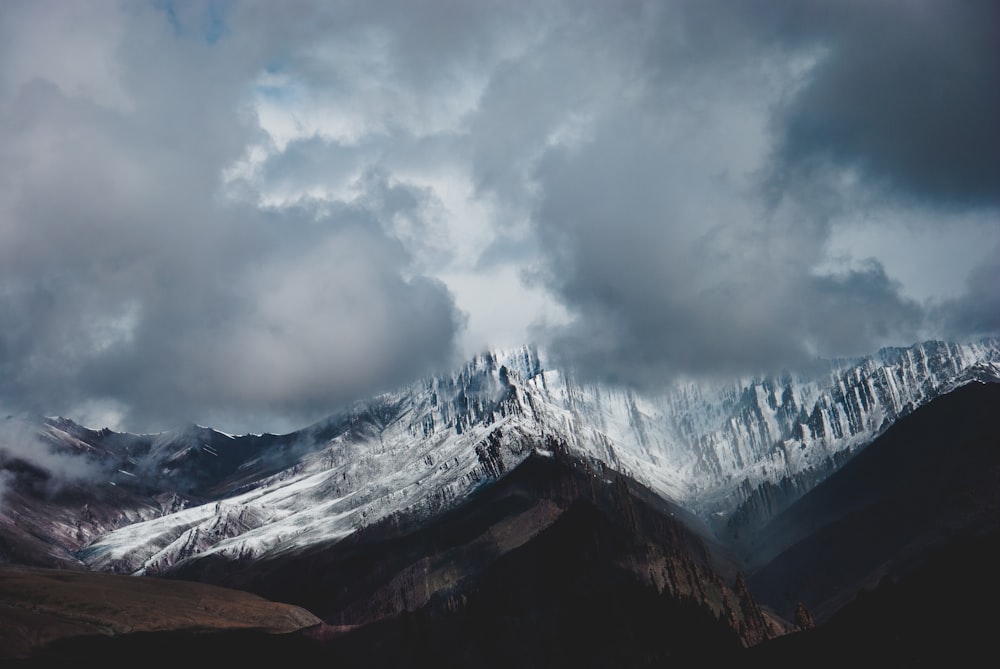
(507,511)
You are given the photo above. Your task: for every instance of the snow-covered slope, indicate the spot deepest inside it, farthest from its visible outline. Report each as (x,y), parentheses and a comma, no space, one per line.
(714,448)
(711,446)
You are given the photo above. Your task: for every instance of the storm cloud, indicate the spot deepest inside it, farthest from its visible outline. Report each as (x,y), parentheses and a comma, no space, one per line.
(906,94)
(247,214)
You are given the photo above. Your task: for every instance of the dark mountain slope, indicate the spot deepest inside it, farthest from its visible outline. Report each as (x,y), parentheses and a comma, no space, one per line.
(563,599)
(558,550)
(941,614)
(932,478)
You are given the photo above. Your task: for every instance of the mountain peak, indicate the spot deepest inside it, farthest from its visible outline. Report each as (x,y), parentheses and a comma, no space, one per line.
(733,452)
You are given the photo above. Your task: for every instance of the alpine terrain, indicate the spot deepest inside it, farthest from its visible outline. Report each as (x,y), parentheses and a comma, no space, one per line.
(504,512)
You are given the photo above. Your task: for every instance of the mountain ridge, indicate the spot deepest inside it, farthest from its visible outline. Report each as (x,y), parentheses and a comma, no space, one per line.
(734,454)
(459,505)
(932,479)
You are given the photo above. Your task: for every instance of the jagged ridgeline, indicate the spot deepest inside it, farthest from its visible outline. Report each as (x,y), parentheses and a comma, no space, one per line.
(734,454)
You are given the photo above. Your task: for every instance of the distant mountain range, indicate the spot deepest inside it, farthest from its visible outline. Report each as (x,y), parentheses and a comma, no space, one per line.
(505,512)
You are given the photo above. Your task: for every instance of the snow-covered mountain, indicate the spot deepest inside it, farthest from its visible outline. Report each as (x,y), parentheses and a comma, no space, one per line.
(736,452)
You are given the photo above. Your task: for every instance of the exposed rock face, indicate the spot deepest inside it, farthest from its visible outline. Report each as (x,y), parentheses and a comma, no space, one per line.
(803,619)
(786,434)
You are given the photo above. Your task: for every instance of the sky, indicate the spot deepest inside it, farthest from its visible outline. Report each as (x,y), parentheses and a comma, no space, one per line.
(249,213)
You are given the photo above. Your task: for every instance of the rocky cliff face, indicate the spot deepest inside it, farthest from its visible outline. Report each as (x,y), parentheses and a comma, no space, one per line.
(751,447)
(789,436)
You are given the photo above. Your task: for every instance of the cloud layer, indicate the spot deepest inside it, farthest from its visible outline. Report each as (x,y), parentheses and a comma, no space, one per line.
(247,214)
(20,444)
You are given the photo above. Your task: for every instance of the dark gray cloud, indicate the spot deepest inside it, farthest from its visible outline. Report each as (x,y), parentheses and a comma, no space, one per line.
(977,311)
(904,92)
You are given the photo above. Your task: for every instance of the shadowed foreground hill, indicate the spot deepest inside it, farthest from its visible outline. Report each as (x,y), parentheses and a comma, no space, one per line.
(942,614)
